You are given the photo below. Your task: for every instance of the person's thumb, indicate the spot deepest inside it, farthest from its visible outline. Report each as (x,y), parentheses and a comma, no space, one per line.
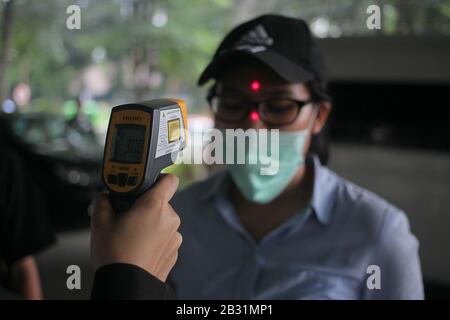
(102,213)
(163,190)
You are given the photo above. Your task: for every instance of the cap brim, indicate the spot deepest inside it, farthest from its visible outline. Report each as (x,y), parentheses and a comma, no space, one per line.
(284,67)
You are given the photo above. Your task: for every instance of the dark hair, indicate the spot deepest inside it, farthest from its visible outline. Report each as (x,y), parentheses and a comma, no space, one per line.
(320,143)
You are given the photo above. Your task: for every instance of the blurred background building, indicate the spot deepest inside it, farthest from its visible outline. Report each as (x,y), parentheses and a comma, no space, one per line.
(390,127)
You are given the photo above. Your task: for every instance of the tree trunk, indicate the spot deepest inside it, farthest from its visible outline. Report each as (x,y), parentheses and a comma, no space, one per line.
(6,31)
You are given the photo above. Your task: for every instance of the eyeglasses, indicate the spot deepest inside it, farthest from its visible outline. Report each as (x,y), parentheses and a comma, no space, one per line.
(274,111)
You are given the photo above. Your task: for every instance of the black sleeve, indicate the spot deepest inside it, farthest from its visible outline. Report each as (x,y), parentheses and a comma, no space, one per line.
(122,281)
(6,294)
(24,223)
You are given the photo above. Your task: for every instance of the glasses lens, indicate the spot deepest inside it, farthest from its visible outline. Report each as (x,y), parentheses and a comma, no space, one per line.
(229,108)
(279,111)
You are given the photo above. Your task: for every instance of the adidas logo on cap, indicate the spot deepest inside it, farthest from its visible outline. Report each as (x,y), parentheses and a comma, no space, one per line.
(255,40)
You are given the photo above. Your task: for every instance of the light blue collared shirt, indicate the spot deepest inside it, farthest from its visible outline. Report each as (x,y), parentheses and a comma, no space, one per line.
(321,253)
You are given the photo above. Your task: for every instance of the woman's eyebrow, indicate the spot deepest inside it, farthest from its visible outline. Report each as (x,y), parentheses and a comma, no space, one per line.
(274,91)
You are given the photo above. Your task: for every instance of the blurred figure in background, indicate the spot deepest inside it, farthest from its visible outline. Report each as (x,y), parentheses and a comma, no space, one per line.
(24,226)
(305,232)
(81,121)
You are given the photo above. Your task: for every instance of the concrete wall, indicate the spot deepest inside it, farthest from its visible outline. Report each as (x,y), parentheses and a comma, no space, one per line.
(388,59)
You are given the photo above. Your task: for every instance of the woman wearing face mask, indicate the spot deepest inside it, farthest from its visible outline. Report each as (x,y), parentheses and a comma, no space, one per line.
(305,232)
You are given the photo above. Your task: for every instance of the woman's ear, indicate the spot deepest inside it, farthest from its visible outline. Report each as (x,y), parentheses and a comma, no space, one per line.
(324,109)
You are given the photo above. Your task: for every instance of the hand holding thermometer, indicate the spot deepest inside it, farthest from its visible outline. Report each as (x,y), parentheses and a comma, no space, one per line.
(143,138)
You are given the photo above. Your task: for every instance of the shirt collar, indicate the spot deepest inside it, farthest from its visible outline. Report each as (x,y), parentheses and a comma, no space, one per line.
(324,190)
(217,183)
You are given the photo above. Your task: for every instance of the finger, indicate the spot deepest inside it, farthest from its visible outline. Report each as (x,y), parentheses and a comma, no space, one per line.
(163,190)
(103,214)
(173,237)
(174,216)
(166,186)
(171,226)
(166,269)
(172,253)
(168,260)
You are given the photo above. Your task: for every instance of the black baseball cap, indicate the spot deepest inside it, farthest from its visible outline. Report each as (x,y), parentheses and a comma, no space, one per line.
(284,44)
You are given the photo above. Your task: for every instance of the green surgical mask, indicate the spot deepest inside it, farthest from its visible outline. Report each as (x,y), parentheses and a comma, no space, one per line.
(263,189)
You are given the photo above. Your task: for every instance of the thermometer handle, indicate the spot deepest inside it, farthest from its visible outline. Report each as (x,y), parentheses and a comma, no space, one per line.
(121,203)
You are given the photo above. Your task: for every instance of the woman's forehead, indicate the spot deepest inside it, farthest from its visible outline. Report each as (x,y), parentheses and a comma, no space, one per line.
(255,88)
(253,77)
(244,73)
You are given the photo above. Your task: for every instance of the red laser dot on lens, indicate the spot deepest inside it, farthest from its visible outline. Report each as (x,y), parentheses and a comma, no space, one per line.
(255,85)
(254,116)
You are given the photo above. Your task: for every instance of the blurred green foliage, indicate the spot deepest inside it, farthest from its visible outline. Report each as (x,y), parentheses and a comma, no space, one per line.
(168,42)
(145,49)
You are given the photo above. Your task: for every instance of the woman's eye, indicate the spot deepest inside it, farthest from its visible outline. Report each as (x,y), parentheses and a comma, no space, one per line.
(280,106)
(278,109)
(231,106)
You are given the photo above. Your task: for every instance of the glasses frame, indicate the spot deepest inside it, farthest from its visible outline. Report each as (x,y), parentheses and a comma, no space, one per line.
(253,105)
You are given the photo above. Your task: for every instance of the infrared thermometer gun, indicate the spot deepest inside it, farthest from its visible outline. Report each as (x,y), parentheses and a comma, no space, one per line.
(143,139)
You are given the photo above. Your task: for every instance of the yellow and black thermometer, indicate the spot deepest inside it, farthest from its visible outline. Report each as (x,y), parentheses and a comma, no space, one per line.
(143,138)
